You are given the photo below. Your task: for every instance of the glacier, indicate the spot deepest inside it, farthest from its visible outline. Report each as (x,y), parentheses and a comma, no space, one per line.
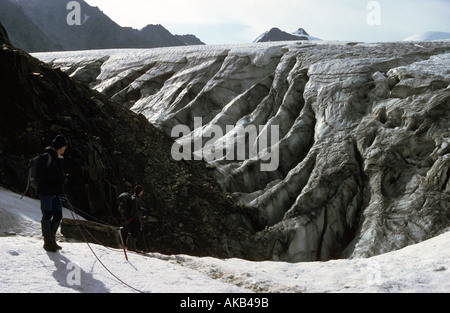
(364,134)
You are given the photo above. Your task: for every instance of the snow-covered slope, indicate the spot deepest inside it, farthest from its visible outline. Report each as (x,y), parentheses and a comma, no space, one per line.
(429,36)
(26,267)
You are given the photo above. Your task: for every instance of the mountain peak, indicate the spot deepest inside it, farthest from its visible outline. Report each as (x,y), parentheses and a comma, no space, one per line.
(301,32)
(275,34)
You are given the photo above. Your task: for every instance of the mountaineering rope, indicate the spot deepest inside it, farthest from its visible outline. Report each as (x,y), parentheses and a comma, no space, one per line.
(75,209)
(90,216)
(72,211)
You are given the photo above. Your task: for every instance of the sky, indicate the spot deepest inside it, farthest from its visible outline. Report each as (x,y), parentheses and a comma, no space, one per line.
(241,21)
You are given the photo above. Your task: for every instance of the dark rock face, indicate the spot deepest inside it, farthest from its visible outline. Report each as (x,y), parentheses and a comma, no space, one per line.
(363,135)
(110,150)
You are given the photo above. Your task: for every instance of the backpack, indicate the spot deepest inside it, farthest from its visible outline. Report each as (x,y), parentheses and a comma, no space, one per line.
(33,180)
(124,210)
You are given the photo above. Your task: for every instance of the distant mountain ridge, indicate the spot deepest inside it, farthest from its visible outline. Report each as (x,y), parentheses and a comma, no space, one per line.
(276,34)
(42,25)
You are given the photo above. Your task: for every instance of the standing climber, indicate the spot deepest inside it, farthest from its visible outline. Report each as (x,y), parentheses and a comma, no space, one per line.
(51,177)
(135,218)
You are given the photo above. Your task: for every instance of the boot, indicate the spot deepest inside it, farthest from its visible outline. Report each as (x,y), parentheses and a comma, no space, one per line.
(49,244)
(54,228)
(58,247)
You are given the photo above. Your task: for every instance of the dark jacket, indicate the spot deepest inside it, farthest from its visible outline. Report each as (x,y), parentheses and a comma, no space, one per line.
(135,207)
(135,216)
(51,178)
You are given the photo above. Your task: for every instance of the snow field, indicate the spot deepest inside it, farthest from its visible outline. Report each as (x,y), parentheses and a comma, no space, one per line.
(26,267)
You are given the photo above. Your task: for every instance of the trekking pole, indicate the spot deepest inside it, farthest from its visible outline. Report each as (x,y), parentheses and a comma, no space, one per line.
(123,245)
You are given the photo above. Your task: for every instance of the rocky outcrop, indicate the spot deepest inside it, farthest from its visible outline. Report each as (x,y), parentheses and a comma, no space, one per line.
(363,135)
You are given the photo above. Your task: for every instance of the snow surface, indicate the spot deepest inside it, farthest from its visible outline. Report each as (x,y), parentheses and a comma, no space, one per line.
(26,267)
(429,36)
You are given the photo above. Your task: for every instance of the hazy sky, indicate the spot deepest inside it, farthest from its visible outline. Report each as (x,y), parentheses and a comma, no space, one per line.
(236,21)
